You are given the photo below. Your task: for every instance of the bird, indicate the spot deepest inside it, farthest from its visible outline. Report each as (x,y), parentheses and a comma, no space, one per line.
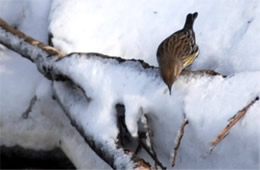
(177,51)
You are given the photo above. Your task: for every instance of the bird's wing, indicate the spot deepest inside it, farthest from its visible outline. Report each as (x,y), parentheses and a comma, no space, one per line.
(189,59)
(189,48)
(180,45)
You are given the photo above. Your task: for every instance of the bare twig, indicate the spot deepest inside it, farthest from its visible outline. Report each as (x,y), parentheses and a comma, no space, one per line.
(29,109)
(152,154)
(232,122)
(145,140)
(149,140)
(199,72)
(8,32)
(178,141)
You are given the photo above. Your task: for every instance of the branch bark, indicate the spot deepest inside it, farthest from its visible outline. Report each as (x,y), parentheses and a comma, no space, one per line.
(25,45)
(232,122)
(26,113)
(178,141)
(200,72)
(145,139)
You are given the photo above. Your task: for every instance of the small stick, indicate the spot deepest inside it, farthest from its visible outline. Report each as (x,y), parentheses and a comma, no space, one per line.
(153,155)
(232,122)
(147,144)
(149,136)
(207,72)
(178,141)
(25,114)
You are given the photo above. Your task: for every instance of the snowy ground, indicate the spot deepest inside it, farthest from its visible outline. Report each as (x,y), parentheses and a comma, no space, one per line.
(226,32)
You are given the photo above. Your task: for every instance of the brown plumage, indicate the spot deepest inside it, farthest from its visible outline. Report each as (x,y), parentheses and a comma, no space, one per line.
(177,52)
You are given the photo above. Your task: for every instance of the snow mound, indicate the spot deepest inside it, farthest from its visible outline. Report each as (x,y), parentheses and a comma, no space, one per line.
(142,92)
(227,34)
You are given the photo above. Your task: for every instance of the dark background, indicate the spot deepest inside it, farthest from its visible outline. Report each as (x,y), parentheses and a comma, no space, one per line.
(20,158)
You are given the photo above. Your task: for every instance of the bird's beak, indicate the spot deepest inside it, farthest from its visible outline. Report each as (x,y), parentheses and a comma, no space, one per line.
(170,89)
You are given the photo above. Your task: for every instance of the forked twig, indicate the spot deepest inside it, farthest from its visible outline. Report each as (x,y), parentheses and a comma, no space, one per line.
(232,122)
(178,141)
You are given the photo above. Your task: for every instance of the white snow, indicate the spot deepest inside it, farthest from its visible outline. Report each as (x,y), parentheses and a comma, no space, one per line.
(227,34)
(224,96)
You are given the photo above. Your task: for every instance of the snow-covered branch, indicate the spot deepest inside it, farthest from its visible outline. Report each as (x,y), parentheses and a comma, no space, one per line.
(26,46)
(45,57)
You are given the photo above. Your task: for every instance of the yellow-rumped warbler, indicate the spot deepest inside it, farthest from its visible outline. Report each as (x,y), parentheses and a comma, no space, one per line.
(177,51)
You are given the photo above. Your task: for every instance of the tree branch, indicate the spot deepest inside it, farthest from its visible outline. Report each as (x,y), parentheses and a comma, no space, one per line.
(200,72)
(145,139)
(25,114)
(45,58)
(178,141)
(25,45)
(232,122)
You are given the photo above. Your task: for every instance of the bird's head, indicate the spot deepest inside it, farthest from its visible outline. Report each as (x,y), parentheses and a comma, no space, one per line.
(170,73)
(169,78)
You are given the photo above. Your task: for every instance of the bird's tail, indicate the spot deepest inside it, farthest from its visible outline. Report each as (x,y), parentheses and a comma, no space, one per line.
(190,20)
